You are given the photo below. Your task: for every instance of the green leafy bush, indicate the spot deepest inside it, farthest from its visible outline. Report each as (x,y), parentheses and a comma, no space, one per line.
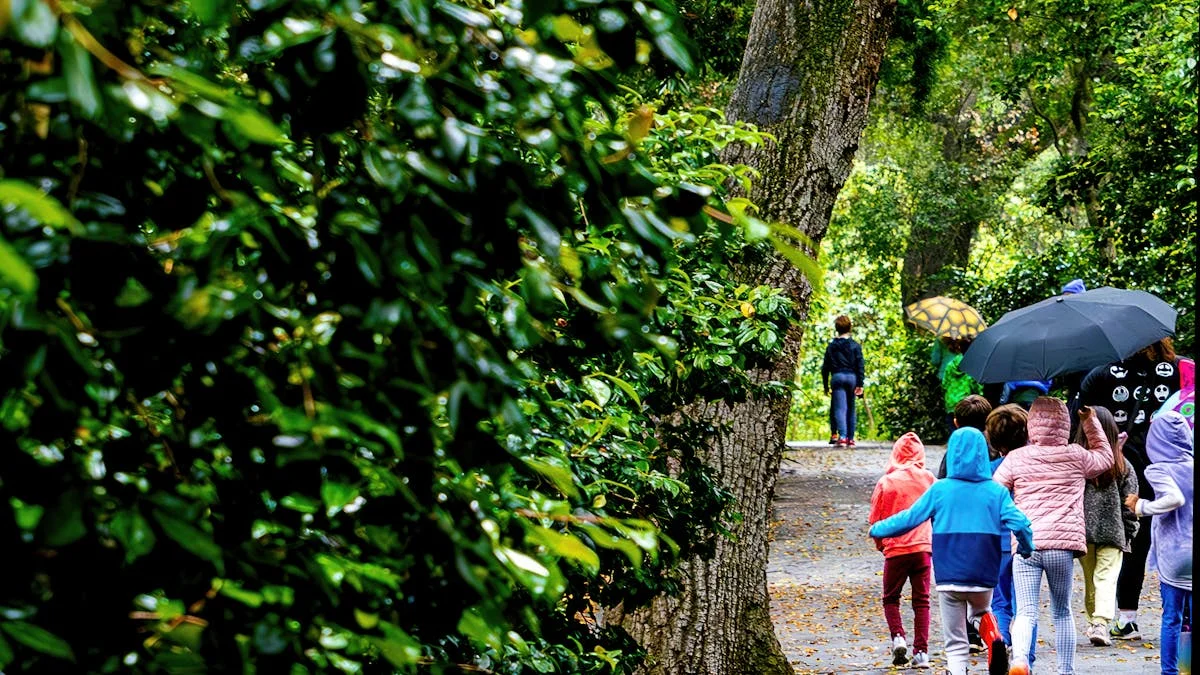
(339,336)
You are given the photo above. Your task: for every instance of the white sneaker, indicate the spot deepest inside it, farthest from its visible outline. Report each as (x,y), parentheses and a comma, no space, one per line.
(899,651)
(1098,634)
(920,660)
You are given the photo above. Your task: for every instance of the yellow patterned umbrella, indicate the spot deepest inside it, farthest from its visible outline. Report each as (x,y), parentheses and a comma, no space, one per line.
(945,317)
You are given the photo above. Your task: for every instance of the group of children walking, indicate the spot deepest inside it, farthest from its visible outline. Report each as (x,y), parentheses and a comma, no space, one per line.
(1011,471)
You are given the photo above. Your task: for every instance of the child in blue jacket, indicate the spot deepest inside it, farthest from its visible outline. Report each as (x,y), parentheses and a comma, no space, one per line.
(971,515)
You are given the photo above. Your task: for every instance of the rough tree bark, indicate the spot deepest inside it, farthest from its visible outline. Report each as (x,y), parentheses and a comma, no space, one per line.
(807,76)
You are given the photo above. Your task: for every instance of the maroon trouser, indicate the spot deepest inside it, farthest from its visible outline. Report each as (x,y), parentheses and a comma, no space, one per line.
(914,568)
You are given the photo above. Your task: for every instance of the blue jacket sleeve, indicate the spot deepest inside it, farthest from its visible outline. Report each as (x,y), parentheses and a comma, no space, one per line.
(1018,522)
(908,519)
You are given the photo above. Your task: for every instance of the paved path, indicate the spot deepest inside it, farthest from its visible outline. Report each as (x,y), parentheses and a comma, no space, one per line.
(824,577)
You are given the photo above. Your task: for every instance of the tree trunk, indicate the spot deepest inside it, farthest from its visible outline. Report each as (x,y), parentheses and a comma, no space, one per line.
(809,71)
(943,240)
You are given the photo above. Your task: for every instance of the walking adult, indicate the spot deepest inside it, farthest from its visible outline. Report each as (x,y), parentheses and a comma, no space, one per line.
(842,379)
(1133,389)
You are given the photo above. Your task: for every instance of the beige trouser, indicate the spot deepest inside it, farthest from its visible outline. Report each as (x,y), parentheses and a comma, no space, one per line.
(1101,566)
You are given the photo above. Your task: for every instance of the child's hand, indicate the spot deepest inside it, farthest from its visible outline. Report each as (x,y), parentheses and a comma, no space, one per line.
(1085,412)
(1131,501)
(858,391)
(1024,552)
(1121,438)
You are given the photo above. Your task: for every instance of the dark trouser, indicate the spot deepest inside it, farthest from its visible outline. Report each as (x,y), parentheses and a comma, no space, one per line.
(1133,568)
(1176,602)
(914,568)
(842,403)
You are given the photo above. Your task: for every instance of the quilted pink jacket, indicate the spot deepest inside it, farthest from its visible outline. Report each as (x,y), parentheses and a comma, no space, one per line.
(1047,476)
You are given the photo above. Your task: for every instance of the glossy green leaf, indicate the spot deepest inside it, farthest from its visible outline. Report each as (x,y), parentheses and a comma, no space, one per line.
(397,646)
(191,538)
(625,387)
(301,503)
(566,546)
(6,652)
(15,272)
(255,126)
(212,12)
(133,532)
(81,79)
(337,496)
(133,294)
(600,392)
(559,475)
(38,639)
(42,207)
(234,591)
(33,22)
(63,523)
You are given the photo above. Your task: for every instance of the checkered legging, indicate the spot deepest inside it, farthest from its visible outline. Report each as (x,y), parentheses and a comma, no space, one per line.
(1027,578)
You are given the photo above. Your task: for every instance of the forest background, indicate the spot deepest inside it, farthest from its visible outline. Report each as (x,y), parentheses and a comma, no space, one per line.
(1011,149)
(446,377)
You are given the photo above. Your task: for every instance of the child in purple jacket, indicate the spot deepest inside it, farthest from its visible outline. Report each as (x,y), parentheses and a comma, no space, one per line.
(1171,474)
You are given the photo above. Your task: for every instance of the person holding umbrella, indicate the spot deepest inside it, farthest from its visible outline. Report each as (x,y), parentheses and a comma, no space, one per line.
(1121,338)
(954,324)
(1133,389)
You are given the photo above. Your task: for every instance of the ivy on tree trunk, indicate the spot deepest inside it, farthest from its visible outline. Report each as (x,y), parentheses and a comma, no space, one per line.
(807,77)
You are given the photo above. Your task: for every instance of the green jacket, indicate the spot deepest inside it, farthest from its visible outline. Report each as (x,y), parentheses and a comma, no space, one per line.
(956,384)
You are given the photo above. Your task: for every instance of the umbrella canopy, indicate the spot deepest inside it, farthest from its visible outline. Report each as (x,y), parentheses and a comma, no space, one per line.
(1068,333)
(945,317)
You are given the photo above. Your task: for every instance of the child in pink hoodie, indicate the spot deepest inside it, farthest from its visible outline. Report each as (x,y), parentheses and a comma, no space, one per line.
(905,557)
(1047,480)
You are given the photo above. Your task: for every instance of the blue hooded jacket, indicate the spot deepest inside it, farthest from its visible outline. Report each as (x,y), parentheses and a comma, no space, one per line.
(971,515)
(1074,286)
(1169,445)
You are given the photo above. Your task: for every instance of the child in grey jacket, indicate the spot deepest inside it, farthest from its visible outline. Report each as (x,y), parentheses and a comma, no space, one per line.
(1110,527)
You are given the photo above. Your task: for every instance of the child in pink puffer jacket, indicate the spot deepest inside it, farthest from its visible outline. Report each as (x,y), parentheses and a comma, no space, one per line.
(1047,480)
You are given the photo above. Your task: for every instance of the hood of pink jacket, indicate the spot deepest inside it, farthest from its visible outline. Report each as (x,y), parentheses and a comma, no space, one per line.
(907,452)
(1049,422)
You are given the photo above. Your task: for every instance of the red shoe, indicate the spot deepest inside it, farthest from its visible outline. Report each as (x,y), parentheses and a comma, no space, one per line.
(989,631)
(842,442)
(850,443)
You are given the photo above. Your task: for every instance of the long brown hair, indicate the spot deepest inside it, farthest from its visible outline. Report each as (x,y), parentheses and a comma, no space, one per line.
(1105,417)
(1163,350)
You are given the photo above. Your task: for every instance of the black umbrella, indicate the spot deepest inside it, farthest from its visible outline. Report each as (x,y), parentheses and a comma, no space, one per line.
(1068,333)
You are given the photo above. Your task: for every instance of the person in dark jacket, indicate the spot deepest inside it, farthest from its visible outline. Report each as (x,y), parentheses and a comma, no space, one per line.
(842,378)
(1133,389)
